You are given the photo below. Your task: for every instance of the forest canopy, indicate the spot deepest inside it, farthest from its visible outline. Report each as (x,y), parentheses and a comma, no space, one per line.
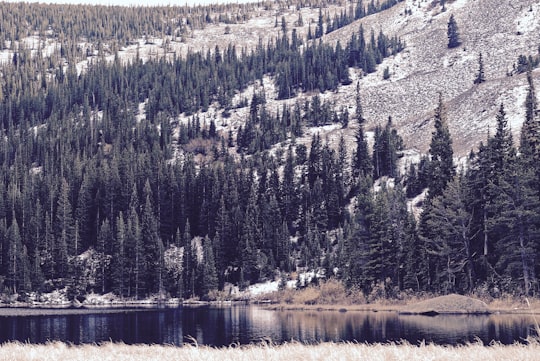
(96,197)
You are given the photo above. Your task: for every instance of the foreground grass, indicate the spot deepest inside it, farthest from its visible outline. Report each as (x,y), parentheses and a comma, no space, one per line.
(294,351)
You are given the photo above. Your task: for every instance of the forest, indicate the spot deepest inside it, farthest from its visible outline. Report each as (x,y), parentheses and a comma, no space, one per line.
(94,198)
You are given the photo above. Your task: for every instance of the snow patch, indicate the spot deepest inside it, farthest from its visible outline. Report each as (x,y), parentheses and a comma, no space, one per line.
(415,205)
(263,288)
(141,112)
(514,103)
(458,4)
(529,19)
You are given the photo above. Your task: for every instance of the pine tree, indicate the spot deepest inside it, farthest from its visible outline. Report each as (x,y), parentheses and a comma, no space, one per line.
(152,243)
(480,77)
(18,265)
(518,200)
(249,238)
(65,227)
(105,236)
(189,263)
(453,33)
(208,280)
(319,30)
(386,148)
(356,247)
(489,167)
(361,162)
(441,165)
(119,261)
(451,245)
(288,191)
(530,132)
(358,102)
(137,263)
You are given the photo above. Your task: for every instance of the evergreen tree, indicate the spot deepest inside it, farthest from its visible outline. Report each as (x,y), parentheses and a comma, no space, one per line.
(105,236)
(64,232)
(137,264)
(489,167)
(453,33)
(517,225)
(18,265)
(288,191)
(208,280)
(361,162)
(319,30)
(530,132)
(386,148)
(358,102)
(356,248)
(152,243)
(441,165)
(480,77)
(450,245)
(249,239)
(119,261)
(190,263)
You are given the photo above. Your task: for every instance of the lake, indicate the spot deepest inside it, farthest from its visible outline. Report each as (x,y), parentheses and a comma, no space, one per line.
(223,326)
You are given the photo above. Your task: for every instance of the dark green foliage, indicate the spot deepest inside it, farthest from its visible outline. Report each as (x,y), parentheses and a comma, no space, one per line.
(93,199)
(386,73)
(319,30)
(417,177)
(16,263)
(386,151)
(448,239)
(526,63)
(360,11)
(207,275)
(480,77)
(311,69)
(441,164)
(453,33)
(362,165)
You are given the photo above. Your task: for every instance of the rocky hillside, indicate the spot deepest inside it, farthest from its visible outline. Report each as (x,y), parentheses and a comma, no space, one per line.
(499,29)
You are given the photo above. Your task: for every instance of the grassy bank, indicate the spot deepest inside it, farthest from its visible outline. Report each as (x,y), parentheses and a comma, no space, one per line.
(333,296)
(325,351)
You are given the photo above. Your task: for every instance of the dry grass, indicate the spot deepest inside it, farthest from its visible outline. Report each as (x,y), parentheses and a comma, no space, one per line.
(293,351)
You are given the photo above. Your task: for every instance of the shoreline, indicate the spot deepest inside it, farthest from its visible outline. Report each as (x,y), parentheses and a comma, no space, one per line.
(392,308)
(133,306)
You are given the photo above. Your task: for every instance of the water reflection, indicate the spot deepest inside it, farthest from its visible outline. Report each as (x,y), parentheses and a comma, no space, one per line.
(223,326)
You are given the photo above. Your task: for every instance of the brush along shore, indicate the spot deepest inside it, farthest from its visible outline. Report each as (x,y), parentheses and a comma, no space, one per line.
(15,351)
(333,296)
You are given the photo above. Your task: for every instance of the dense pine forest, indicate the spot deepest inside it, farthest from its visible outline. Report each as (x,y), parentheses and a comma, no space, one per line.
(97,197)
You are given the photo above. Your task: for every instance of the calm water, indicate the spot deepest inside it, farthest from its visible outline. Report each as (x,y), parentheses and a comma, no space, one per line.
(219,326)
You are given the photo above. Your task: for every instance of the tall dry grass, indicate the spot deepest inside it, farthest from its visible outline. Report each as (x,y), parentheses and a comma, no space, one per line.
(326,351)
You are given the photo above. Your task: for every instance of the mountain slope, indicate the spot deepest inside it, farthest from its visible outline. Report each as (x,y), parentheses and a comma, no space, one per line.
(500,30)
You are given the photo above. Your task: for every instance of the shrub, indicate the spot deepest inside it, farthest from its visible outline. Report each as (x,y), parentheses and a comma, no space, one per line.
(307,296)
(333,292)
